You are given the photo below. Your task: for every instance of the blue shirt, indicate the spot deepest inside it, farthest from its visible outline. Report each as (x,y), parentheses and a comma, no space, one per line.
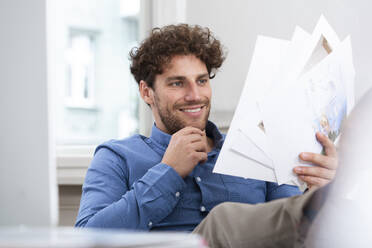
(127,186)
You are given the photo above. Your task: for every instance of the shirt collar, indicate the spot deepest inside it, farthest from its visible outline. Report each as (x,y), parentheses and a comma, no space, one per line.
(163,138)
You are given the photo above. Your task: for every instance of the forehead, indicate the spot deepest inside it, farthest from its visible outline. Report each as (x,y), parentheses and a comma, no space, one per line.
(184,65)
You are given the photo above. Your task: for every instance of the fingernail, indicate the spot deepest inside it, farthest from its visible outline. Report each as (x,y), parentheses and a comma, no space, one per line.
(304,155)
(320,134)
(298,169)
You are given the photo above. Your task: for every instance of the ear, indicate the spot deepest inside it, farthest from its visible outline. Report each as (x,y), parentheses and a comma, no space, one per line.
(147,93)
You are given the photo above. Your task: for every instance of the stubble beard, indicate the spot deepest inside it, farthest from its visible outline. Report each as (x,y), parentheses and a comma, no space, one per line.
(172,122)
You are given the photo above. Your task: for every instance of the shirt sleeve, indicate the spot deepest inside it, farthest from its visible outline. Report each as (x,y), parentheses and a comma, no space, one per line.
(275,191)
(108,200)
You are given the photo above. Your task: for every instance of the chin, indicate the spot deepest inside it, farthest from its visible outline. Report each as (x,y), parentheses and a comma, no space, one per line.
(200,125)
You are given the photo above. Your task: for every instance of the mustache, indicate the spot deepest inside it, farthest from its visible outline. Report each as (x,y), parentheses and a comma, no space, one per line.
(185,105)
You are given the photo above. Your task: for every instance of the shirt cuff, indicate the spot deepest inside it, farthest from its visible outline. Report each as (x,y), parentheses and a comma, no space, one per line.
(164,178)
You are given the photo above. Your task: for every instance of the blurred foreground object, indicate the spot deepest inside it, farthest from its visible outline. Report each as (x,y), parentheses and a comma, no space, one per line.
(86,238)
(345,220)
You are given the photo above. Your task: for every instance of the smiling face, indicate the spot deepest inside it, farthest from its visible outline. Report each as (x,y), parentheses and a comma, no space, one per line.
(181,95)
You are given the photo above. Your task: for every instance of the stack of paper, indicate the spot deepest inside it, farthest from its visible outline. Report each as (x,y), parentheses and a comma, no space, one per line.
(293,89)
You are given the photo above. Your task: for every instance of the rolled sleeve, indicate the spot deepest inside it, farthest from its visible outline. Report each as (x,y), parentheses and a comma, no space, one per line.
(162,176)
(108,202)
(157,192)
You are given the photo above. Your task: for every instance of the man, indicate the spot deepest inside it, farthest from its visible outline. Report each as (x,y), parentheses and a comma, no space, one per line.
(165,181)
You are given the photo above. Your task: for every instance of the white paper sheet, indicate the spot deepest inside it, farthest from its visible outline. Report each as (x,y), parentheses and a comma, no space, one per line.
(246,147)
(292,89)
(316,98)
(229,161)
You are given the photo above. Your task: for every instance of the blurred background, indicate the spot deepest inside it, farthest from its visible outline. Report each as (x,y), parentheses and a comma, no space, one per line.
(66,85)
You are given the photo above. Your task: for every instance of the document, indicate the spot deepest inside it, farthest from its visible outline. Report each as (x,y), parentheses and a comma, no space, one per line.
(259,78)
(293,90)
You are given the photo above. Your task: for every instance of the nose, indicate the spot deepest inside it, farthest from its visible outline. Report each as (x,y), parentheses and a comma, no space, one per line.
(193,92)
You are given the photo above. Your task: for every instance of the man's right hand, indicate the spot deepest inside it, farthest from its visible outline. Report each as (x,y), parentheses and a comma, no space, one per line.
(186,149)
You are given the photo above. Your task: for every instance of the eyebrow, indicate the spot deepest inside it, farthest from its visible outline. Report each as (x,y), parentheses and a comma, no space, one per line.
(175,78)
(183,78)
(203,75)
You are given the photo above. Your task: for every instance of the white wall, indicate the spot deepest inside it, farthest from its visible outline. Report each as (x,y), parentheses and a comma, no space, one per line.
(27,170)
(238,22)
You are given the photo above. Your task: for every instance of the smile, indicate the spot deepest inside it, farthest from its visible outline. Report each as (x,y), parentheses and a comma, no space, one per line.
(192,110)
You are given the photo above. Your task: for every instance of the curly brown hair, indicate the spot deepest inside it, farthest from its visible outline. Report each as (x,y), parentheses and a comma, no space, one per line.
(156,52)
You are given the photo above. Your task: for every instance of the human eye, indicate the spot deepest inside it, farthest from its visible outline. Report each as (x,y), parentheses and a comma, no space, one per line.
(176,83)
(202,81)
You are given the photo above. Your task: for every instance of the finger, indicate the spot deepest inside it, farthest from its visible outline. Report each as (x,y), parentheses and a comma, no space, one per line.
(202,156)
(320,160)
(314,181)
(315,171)
(190,130)
(199,146)
(191,138)
(329,146)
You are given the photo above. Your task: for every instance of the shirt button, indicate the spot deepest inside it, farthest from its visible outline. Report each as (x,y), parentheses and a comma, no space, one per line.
(198,179)
(202,209)
(150,224)
(177,194)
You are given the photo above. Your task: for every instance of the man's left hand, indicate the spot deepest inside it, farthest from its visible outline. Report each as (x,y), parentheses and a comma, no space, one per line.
(326,164)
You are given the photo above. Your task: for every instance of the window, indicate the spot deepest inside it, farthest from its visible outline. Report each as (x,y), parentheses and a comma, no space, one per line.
(80,69)
(97,97)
